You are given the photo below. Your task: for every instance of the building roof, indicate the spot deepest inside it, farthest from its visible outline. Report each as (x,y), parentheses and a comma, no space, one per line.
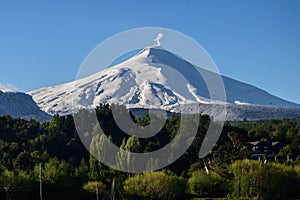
(274,143)
(255,143)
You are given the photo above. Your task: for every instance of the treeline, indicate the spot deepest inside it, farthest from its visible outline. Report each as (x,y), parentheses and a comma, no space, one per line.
(69,171)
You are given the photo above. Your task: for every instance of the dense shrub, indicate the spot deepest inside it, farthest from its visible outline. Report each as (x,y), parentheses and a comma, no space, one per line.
(207,185)
(154,186)
(95,187)
(264,181)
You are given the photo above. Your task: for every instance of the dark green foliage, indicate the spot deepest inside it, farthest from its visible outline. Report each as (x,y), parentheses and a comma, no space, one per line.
(24,161)
(96,188)
(82,172)
(207,185)
(155,186)
(252,179)
(15,185)
(69,171)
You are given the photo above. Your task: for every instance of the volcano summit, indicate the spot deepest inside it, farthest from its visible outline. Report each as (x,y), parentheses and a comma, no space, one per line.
(153,78)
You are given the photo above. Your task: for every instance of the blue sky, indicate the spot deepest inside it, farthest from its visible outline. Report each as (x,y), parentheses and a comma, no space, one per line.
(44,43)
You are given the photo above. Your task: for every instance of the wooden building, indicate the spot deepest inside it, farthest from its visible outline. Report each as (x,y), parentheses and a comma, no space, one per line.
(264,150)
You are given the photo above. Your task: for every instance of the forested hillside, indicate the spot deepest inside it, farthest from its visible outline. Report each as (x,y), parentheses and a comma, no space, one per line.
(70,172)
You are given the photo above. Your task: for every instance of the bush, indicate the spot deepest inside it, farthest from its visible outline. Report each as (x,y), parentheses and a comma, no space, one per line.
(15,185)
(252,179)
(154,186)
(206,185)
(94,187)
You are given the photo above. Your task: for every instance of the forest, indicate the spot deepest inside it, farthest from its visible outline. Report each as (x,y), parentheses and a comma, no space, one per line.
(53,152)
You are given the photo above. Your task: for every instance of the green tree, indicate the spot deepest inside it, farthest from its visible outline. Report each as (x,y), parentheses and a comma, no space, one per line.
(99,148)
(82,172)
(95,187)
(23,161)
(207,185)
(57,172)
(133,145)
(252,179)
(154,186)
(16,184)
(96,172)
(124,158)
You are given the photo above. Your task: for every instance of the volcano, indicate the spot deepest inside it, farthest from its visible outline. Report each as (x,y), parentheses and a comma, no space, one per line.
(153,78)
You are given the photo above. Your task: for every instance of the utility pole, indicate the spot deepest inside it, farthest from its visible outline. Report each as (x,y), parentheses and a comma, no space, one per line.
(97,195)
(41,185)
(113,195)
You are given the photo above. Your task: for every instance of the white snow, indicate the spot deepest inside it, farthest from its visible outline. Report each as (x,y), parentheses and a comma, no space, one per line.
(241,103)
(17,104)
(154,78)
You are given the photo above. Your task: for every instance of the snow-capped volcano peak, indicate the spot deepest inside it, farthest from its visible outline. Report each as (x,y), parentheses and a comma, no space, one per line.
(155,51)
(153,78)
(151,54)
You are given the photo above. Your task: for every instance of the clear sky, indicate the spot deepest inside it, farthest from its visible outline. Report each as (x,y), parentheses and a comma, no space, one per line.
(257,42)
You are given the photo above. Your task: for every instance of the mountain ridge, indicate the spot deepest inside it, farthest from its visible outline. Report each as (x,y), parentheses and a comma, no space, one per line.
(153,78)
(18,104)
